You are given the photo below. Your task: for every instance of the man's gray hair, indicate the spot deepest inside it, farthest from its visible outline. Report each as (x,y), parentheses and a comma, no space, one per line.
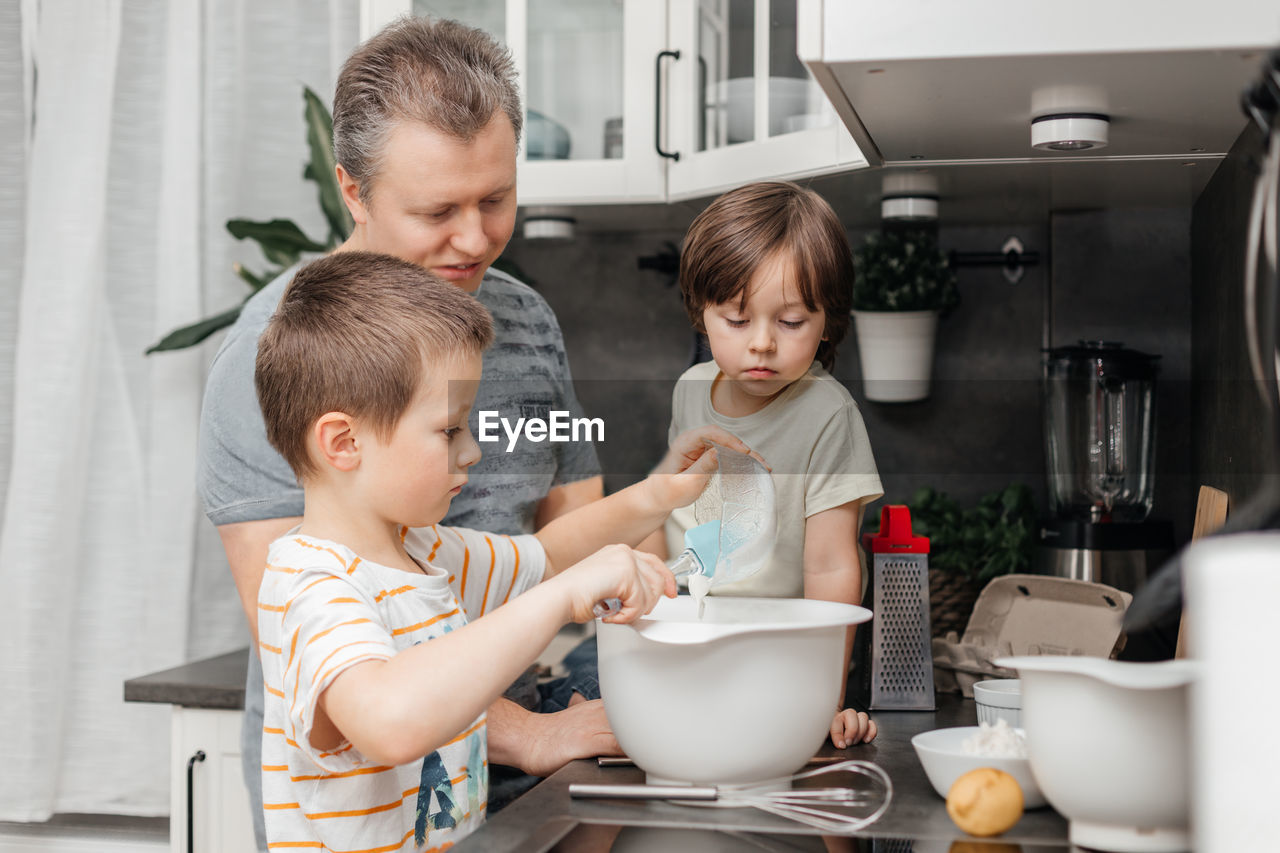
(446,75)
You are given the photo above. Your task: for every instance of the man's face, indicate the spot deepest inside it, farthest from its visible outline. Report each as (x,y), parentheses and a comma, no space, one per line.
(440,202)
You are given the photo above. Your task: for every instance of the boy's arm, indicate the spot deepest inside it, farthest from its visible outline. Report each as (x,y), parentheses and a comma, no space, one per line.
(567,497)
(397,710)
(633,513)
(832,562)
(626,517)
(833,572)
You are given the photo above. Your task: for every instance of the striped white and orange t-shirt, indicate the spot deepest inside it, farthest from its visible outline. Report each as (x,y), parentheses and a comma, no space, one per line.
(322,609)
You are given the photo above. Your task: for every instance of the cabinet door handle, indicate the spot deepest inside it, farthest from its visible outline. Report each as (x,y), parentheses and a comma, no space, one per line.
(657,104)
(191,819)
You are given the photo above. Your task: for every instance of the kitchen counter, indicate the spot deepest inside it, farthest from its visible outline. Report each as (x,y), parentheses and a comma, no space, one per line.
(547,816)
(216,682)
(208,802)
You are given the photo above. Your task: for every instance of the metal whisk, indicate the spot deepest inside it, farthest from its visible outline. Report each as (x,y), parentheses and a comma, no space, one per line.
(810,806)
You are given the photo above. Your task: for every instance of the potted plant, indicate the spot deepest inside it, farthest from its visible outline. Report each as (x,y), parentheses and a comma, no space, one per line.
(282,242)
(902,284)
(970,546)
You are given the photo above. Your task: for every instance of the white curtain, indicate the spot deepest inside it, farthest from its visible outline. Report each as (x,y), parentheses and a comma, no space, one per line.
(130,131)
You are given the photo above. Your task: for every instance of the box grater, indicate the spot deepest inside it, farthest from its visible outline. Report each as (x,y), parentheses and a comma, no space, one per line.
(896,661)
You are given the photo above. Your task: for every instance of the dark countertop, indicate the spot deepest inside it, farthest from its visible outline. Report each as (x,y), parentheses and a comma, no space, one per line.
(216,682)
(537,820)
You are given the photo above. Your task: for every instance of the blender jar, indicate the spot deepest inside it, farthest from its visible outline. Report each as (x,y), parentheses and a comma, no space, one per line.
(1099,407)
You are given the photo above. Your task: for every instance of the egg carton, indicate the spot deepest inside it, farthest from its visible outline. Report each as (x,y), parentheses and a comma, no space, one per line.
(1029,615)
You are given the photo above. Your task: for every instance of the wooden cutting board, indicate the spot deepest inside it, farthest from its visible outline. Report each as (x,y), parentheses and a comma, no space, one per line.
(1211,514)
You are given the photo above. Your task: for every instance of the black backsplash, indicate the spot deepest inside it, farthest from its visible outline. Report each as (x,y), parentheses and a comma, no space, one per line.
(1122,275)
(1234,444)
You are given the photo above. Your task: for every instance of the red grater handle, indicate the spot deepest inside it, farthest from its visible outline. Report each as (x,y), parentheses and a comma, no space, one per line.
(895,535)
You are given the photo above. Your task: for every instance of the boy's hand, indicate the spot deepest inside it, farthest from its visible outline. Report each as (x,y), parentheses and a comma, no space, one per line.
(689,463)
(637,579)
(851,728)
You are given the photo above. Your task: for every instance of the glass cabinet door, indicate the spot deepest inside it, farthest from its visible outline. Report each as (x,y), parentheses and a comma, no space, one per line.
(588,72)
(587,78)
(725,83)
(655,100)
(487,15)
(744,107)
(796,102)
(729,87)
(573,80)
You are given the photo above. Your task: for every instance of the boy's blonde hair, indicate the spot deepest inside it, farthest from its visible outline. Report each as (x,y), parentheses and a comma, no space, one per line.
(352,334)
(741,229)
(446,75)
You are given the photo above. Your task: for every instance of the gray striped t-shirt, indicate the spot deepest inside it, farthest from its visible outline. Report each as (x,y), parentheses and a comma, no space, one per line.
(526,373)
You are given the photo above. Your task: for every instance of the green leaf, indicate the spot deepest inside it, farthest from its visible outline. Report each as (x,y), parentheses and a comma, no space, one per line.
(189,336)
(282,241)
(257,282)
(903,270)
(323,165)
(993,537)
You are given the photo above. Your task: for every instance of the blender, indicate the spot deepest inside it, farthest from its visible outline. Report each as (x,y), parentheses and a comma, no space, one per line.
(1099,410)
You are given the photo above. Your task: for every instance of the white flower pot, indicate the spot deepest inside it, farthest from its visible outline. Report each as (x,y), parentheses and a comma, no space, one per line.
(896,349)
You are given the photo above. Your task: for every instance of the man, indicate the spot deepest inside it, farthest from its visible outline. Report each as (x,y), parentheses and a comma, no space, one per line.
(427,117)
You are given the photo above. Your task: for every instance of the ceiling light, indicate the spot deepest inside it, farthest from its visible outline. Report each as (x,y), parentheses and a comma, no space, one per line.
(913,207)
(1069,131)
(546,223)
(909,196)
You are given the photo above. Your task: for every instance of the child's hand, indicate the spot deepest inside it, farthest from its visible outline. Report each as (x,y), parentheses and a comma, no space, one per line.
(851,728)
(637,579)
(690,461)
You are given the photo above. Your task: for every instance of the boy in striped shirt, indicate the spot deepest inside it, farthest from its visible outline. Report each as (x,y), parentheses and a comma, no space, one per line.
(377,667)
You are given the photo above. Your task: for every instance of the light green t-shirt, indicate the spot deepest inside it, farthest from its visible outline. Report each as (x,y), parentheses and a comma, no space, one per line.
(815,442)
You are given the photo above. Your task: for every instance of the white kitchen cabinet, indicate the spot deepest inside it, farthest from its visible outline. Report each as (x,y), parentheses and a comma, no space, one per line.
(587,77)
(611,84)
(931,82)
(742,106)
(220,803)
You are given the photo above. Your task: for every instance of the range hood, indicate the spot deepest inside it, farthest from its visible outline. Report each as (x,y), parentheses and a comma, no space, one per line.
(930,83)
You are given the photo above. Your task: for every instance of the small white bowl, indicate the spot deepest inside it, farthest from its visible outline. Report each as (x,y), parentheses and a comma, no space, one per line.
(941,752)
(999,699)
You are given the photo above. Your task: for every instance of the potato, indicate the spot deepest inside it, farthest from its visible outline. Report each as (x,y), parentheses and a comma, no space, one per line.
(985,801)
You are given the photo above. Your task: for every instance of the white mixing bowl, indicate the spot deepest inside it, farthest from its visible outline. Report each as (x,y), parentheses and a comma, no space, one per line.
(1108,743)
(746,694)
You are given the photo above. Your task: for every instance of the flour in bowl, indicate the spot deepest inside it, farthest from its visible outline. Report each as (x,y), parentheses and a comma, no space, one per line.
(998,741)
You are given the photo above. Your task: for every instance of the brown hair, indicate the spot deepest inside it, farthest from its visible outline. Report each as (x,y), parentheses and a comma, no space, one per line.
(352,334)
(741,229)
(444,74)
